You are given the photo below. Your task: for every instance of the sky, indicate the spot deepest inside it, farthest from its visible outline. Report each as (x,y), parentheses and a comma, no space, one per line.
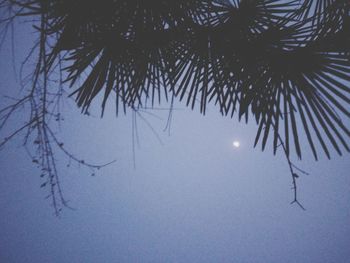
(191,198)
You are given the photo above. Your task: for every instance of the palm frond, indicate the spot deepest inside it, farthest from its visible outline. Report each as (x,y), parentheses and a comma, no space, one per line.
(285,63)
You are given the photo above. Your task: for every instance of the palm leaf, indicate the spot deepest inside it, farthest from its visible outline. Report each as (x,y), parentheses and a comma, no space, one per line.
(285,63)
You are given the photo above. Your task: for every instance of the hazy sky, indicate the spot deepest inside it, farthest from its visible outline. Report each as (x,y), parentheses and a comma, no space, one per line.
(193,198)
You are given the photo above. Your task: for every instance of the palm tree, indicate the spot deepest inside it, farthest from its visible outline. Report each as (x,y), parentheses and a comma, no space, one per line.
(285,63)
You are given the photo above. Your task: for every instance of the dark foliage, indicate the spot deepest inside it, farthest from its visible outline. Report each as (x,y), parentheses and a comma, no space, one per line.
(277,60)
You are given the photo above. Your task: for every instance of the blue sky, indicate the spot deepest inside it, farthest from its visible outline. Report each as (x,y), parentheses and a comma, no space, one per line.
(193,198)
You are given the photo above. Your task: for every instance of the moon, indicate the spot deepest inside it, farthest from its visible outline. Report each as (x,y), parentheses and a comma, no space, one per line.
(236,144)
